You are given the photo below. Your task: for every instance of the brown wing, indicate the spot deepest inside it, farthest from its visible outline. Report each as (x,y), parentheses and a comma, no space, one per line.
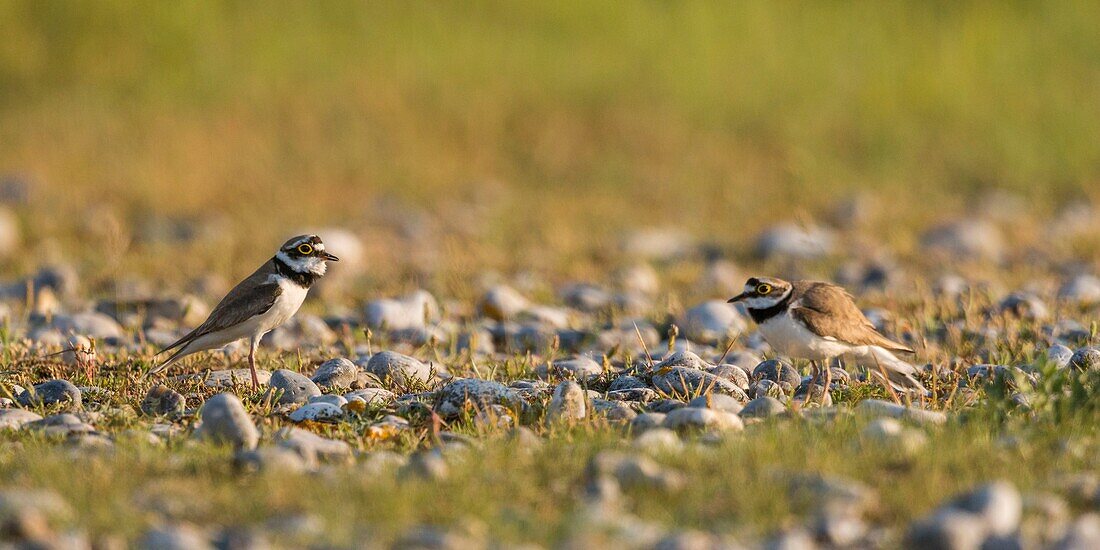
(829,311)
(252,296)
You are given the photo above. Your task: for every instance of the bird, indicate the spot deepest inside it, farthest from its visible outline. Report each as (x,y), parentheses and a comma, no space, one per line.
(819,321)
(264,300)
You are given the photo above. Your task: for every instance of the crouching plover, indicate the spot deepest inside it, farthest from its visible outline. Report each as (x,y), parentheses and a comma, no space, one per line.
(258,304)
(819,322)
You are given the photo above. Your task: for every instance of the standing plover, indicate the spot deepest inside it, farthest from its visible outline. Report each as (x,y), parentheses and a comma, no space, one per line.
(258,304)
(819,322)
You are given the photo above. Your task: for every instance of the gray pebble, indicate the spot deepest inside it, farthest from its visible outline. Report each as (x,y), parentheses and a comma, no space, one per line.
(338,373)
(398,368)
(581,368)
(469,393)
(1085,359)
(712,322)
(699,418)
(718,402)
(878,407)
(683,382)
(763,407)
(50,393)
(294,387)
(790,241)
(777,371)
(567,405)
(13,419)
(312,447)
(318,412)
(225,420)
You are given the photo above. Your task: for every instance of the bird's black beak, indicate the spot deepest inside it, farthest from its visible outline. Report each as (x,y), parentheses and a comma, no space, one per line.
(737,298)
(330,257)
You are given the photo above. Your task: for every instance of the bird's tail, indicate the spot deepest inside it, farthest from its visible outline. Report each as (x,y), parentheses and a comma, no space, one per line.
(898,374)
(176,356)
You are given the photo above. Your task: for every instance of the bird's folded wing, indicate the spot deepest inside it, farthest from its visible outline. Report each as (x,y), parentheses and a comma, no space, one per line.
(830,312)
(241,304)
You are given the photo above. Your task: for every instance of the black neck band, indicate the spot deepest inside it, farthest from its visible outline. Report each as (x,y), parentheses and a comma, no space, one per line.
(762,315)
(304,280)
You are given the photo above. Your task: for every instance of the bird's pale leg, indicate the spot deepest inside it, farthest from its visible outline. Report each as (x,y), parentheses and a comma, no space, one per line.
(252,362)
(815,374)
(828,384)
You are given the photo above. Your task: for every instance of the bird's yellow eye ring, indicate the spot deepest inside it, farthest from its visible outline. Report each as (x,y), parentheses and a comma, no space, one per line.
(763,289)
(305,249)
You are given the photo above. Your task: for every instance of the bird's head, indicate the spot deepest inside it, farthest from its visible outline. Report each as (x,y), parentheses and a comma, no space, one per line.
(763,292)
(306,254)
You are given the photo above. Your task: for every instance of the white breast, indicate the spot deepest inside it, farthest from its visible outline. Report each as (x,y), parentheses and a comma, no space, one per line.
(286,305)
(789,337)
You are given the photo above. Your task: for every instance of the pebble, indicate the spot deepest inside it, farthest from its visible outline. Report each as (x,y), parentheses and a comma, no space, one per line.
(733,373)
(967,240)
(14,419)
(640,278)
(567,404)
(948,530)
(718,402)
(51,392)
(413,311)
(63,424)
(312,447)
(318,412)
(227,379)
(1024,305)
(647,421)
(712,322)
(91,324)
(1059,355)
(657,439)
(878,407)
(777,371)
(294,387)
(427,465)
(580,368)
(998,504)
(682,358)
(180,536)
(683,382)
(464,394)
(658,244)
(163,401)
(700,418)
(585,297)
(763,407)
(271,459)
(225,420)
(626,382)
(502,303)
(331,399)
(397,368)
(1083,534)
(1085,359)
(1082,289)
(892,433)
(334,374)
(634,471)
(794,242)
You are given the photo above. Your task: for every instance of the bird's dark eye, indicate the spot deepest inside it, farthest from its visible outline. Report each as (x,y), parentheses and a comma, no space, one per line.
(763,289)
(305,249)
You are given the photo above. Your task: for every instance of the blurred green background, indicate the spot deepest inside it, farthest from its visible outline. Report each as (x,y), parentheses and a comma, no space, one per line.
(528,134)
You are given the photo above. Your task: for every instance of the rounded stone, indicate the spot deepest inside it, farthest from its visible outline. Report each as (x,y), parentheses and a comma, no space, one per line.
(777,371)
(712,322)
(398,368)
(580,368)
(1085,359)
(718,402)
(567,405)
(225,420)
(51,392)
(317,412)
(295,387)
(699,418)
(763,407)
(338,373)
(163,401)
